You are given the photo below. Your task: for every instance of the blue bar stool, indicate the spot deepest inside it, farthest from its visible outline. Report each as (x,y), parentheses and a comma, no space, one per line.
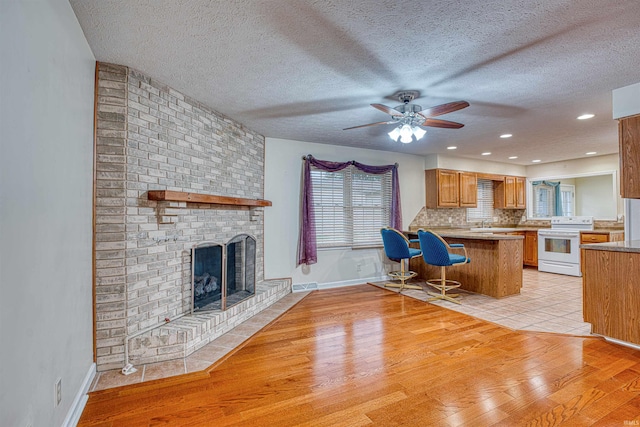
(435,251)
(396,247)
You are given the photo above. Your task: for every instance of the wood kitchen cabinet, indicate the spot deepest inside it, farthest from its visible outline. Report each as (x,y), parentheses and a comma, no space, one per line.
(509,193)
(597,237)
(468,189)
(521,200)
(530,246)
(629,140)
(450,189)
(610,292)
(530,256)
(593,238)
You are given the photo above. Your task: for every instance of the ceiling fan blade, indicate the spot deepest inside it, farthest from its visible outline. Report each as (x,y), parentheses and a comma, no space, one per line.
(370,124)
(437,123)
(444,109)
(387,110)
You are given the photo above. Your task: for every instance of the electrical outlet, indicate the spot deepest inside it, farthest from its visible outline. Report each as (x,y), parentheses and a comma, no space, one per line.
(450,220)
(58,392)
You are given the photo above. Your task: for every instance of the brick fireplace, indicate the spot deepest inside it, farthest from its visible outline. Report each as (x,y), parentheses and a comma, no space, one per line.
(151,137)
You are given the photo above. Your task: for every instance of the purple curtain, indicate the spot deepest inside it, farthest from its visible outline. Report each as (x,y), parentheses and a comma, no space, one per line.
(307,248)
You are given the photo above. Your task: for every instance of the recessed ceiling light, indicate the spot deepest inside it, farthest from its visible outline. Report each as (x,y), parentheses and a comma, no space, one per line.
(536,161)
(591,153)
(486,154)
(506,135)
(586,116)
(513,157)
(453,147)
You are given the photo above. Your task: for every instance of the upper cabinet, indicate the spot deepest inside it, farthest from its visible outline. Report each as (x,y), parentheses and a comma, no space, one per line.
(521,186)
(629,138)
(468,189)
(459,189)
(450,189)
(509,193)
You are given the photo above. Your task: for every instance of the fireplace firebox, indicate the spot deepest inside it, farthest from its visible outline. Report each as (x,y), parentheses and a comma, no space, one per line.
(223,275)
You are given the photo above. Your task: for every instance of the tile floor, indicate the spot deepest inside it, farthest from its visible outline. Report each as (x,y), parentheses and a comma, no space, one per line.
(547,303)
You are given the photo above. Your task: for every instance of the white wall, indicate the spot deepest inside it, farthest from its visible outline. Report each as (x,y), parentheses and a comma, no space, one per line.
(584,166)
(591,194)
(46,125)
(283,168)
(626,101)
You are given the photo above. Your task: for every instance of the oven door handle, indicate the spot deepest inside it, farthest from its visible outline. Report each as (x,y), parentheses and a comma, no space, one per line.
(557,234)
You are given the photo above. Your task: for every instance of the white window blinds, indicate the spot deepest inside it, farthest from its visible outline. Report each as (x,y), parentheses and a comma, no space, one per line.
(350,207)
(568,196)
(543,201)
(484,211)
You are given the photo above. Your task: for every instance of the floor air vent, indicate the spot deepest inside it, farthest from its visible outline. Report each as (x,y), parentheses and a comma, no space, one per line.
(302,287)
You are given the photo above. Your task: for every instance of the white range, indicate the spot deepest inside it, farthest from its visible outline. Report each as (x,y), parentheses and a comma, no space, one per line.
(559,246)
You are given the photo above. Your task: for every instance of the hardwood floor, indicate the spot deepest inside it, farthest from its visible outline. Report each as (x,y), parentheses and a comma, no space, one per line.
(367,356)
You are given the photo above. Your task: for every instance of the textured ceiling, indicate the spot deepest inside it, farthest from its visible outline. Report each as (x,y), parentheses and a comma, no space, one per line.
(304,70)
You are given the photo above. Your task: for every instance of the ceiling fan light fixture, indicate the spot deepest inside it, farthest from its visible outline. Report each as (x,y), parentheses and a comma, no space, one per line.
(406,131)
(418,132)
(410,117)
(395,134)
(406,139)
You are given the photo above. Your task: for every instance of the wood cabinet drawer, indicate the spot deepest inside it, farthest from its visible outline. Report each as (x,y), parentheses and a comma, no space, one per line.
(594,238)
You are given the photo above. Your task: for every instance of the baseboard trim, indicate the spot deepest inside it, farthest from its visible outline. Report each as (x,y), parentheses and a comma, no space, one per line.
(73,416)
(352,282)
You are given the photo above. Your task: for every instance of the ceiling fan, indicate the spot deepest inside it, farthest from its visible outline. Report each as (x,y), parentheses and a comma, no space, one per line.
(409,117)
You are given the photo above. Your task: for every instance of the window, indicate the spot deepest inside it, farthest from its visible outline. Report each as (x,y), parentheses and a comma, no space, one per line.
(484,211)
(543,201)
(546,203)
(568,197)
(350,207)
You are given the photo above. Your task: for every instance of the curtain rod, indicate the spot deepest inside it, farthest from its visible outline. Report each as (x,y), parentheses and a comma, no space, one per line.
(309,155)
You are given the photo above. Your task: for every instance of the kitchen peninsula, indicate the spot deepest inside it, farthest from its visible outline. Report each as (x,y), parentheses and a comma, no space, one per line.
(496,262)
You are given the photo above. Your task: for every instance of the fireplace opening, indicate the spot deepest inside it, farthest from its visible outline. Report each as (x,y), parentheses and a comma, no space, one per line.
(223,274)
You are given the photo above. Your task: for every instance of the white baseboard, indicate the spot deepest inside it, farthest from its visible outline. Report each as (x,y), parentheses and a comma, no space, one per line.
(352,282)
(73,416)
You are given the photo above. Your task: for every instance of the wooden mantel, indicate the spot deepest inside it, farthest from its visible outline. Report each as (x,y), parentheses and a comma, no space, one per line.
(183,196)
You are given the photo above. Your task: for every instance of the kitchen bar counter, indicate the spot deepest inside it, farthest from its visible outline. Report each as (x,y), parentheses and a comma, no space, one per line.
(611,290)
(624,246)
(467,234)
(496,262)
(496,229)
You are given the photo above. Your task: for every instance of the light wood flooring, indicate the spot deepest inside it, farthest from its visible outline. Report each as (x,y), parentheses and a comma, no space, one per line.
(547,303)
(367,356)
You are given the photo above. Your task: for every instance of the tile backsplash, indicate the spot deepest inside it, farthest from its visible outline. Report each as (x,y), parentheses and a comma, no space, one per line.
(457,217)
